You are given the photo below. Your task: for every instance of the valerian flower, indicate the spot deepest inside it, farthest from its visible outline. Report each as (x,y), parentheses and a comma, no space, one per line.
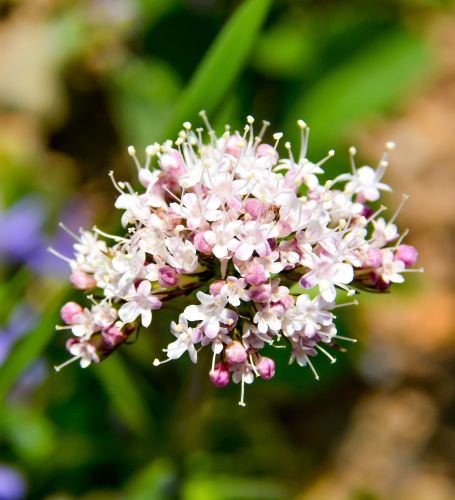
(258,245)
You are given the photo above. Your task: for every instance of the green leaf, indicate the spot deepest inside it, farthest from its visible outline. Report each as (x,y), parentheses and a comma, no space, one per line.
(365,84)
(31,346)
(142,94)
(222,64)
(124,394)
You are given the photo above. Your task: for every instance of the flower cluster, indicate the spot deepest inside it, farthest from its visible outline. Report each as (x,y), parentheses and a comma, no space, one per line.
(261,245)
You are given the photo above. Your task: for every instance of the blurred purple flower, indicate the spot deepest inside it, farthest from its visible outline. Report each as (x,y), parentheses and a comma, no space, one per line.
(12,483)
(22,238)
(22,320)
(20,228)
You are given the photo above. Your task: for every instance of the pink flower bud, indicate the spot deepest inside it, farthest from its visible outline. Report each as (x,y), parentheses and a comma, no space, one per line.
(201,245)
(235,144)
(220,375)
(265,367)
(407,254)
(82,281)
(267,150)
(167,276)
(70,342)
(261,293)
(235,353)
(254,207)
(112,336)
(374,258)
(216,286)
(256,275)
(69,311)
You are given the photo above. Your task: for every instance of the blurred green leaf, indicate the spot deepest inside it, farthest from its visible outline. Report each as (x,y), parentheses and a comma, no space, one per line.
(124,394)
(152,482)
(365,84)
(31,435)
(30,347)
(231,488)
(286,50)
(142,94)
(222,64)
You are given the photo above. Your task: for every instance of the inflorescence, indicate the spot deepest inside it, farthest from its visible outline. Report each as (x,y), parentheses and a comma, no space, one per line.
(259,244)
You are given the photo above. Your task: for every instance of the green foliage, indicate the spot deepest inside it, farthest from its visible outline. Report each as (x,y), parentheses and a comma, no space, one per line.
(221,65)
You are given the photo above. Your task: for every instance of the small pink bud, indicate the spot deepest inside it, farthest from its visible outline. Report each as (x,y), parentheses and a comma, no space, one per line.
(173,162)
(374,258)
(70,342)
(69,311)
(112,336)
(235,353)
(256,275)
(82,281)
(167,276)
(216,286)
(201,245)
(407,254)
(267,150)
(220,375)
(261,293)
(265,367)
(254,207)
(235,144)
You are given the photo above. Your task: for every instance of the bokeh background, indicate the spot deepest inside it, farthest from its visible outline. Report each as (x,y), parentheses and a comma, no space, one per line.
(82,79)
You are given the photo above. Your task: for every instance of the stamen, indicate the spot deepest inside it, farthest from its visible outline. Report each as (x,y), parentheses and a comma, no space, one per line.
(111,236)
(404,199)
(345,304)
(312,368)
(157,362)
(332,359)
(116,185)
(66,363)
(304,134)
(253,366)
(352,153)
(59,255)
(242,393)
(132,153)
(277,136)
(348,339)
(67,230)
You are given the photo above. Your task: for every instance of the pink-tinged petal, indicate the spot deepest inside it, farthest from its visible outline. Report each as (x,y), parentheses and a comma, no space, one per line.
(128,312)
(192,353)
(329,294)
(144,288)
(344,273)
(193,222)
(210,237)
(146,317)
(192,313)
(244,251)
(370,194)
(219,251)
(212,328)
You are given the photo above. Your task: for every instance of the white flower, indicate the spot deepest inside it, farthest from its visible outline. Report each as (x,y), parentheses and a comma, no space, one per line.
(210,312)
(235,290)
(85,352)
(222,236)
(182,255)
(196,210)
(254,237)
(366,183)
(391,269)
(186,338)
(268,318)
(326,274)
(84,324)
(139,302)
